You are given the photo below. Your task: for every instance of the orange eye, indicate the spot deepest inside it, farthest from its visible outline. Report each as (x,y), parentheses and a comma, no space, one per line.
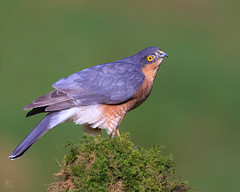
(150,57)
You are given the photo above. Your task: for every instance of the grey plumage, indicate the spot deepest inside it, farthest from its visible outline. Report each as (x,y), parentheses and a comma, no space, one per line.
(77,98)
(37,132)
(110,83)
(52,97)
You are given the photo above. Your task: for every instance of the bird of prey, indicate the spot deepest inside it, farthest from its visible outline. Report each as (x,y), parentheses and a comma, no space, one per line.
(97,97)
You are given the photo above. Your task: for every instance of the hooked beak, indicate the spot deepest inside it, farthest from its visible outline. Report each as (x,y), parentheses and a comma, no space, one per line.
(162,54)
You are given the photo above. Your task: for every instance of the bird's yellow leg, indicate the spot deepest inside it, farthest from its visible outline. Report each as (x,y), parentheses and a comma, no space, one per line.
(118,133)
(99,132)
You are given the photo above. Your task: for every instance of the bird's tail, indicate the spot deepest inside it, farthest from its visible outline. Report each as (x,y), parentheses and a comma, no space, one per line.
(51,120)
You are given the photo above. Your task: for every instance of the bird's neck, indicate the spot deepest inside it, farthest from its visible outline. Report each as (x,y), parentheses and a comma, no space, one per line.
(150,70)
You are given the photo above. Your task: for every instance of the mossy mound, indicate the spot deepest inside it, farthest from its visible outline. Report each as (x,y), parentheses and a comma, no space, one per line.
(115,164)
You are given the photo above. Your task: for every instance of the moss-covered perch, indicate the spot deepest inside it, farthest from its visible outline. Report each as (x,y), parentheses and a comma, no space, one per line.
(116,164)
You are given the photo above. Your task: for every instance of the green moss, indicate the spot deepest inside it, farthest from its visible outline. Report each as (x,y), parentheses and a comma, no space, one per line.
(115,164)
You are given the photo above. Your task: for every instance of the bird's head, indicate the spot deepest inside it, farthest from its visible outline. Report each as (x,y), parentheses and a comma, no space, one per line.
(146,56)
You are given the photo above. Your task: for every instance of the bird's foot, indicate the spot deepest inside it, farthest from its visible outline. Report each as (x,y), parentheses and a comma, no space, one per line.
(99,132)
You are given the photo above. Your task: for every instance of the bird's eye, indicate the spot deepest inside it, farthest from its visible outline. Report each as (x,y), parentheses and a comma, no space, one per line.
(150,57)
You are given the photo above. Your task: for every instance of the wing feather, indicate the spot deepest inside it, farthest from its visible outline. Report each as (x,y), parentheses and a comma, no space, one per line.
(53,97)
(110,83)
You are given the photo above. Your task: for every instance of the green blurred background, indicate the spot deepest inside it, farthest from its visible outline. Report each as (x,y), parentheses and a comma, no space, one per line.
(194,106)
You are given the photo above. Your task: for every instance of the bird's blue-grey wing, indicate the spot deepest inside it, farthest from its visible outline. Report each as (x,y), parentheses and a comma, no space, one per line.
(111,83)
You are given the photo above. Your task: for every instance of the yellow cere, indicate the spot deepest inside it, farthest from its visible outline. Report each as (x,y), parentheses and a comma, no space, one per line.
(160,51)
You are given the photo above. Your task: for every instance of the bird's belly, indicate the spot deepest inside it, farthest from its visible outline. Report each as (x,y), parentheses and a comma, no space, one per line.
(90,115)
(100,116)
